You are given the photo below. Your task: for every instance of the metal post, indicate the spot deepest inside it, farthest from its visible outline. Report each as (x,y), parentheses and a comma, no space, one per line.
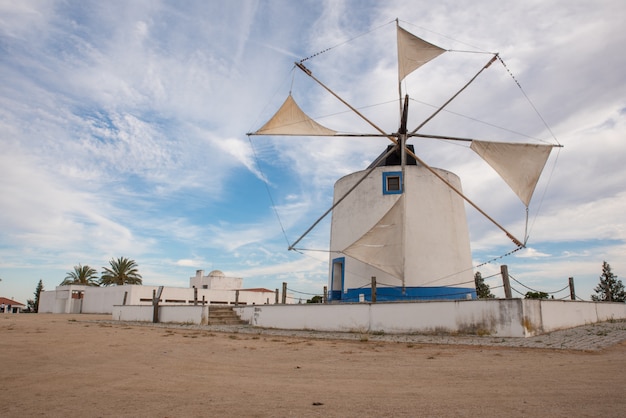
(284,293)
(572,292)
(505,281)
(325,297)
(276,298)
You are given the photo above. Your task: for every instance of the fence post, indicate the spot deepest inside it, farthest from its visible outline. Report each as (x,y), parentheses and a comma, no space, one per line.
(156,297)
(195,296)
(572,292)
(276,298)
(373,289)
(505,281)
(237,297)
(325,297)
(284,293)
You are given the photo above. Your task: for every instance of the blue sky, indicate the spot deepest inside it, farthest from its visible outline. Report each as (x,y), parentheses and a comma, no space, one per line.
(122,130)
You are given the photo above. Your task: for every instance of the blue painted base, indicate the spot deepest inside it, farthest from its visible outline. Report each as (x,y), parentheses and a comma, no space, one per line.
(395,294)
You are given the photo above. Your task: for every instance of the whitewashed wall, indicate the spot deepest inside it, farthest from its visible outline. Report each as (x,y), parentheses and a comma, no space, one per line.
(557,315)
(167,314)
(102,299)
(47,302)
(497,317)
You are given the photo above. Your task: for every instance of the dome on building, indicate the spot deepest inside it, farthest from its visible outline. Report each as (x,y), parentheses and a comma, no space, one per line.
(217,273)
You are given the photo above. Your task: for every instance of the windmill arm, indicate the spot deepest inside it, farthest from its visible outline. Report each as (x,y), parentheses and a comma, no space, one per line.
(443,137)
(456,138)
(337,134)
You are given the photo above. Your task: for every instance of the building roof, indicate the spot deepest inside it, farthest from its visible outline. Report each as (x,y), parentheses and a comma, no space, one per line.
(394,158)
(256,289)
(11,302)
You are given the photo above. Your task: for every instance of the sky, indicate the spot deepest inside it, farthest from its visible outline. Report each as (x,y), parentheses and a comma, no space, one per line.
(123,133)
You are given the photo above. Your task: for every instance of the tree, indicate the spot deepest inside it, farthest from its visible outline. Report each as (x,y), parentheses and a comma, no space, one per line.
(536,295)
(33,305)
(482,288)
(123,271)
(610,289)
(83,275)
(315,299)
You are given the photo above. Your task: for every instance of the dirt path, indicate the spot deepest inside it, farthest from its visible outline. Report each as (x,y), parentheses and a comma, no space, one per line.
(63,365)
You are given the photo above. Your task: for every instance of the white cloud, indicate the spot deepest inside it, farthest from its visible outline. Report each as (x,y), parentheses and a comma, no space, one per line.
(529,252)
(189,263)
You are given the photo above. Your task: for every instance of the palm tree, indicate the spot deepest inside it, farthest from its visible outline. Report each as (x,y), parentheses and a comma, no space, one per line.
(83,275)
(122,271)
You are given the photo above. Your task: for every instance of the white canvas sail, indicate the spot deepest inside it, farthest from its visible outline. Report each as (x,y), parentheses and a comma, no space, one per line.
(413,52)
(291,120)
(519,165)
(382,245)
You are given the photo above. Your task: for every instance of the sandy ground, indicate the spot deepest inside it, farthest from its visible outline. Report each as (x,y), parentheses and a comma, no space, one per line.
(84,365)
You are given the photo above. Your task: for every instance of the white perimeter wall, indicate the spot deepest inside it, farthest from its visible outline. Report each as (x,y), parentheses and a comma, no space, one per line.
(497,317)
(174,314)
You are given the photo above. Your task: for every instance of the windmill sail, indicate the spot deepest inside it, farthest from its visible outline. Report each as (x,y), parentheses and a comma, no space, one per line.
(519,165)
(381,246)
(413,52)
(291,120)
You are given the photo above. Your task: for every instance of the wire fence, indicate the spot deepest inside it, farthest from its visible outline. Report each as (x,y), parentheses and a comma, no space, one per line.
(456,292)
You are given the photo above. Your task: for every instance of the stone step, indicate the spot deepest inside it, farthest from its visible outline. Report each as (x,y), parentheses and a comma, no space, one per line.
(223,315)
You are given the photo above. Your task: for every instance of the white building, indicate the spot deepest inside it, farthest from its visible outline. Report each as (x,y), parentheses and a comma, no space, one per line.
(10,306)
(215,288)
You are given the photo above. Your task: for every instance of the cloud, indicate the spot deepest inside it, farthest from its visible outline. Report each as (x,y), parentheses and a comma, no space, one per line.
(190,263)
(531,253)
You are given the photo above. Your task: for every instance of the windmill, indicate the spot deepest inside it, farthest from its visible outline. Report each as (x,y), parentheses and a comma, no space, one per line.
(400,219)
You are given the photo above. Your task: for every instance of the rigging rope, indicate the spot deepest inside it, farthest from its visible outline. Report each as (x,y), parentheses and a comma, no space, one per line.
(499,257)
(553,137)
(476,120)
(304,293)
(517,291)
(528,99)
(269,193)
(449,38)
(535,290)
(489,277)
(345,42)
(545,190)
